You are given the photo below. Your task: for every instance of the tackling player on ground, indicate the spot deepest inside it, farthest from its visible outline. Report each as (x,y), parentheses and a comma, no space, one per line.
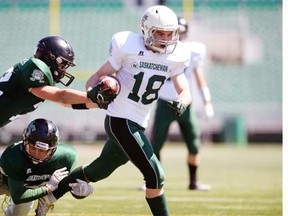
(142,63)
(33,167)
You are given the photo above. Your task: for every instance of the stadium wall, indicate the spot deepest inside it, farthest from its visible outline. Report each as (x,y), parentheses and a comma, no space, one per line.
(243,68)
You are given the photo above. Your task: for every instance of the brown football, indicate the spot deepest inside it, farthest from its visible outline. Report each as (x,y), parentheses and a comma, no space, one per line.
(112,82)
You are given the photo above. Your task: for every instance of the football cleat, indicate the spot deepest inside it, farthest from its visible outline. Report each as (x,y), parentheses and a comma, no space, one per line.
(43,206)
(200,187)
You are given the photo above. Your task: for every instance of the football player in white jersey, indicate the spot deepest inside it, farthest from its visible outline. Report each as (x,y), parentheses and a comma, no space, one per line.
(142,63)
(188,122)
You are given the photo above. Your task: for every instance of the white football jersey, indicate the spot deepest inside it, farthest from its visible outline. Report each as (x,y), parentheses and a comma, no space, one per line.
(198,55)
(141,73)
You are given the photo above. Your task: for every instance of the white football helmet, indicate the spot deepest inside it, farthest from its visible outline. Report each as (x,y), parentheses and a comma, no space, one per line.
(159,18)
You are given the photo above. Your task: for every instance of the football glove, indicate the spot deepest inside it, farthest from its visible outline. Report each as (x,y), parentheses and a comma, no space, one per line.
(209,110)
(56,177)
(178,106)
(101,97)
(81,189)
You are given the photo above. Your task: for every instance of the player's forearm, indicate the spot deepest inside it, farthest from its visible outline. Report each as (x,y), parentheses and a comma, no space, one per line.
(91,82)
(71,96)
(200,78)
(205,93)
(202,85)
(81,106)
(26,194)
(185,97)
(65,96)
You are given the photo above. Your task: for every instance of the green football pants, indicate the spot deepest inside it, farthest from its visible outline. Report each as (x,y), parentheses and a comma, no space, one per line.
(188,124)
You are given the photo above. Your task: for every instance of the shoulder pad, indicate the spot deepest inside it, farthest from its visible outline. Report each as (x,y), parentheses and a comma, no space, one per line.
(46,70)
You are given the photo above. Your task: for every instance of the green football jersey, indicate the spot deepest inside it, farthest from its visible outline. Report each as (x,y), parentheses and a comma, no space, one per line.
(15,98)
(21,174)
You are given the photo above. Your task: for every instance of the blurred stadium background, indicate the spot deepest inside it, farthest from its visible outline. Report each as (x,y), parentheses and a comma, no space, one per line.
(243,68)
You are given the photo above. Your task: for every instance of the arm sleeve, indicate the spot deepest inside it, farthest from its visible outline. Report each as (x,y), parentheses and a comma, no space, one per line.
(33,77)
(22,194)
(36,73)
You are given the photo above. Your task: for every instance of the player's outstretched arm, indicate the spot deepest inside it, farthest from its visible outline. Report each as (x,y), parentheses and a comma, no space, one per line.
(63,96)
(182,88)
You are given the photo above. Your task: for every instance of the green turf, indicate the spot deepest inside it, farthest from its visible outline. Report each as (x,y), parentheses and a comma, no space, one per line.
(246,181)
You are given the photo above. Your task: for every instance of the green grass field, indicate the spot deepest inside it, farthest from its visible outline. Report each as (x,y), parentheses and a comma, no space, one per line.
(246,181)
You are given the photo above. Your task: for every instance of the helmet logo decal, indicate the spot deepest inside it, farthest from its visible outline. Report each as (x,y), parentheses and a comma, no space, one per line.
(144,18)
(59,60)
(32,129)
(37,75)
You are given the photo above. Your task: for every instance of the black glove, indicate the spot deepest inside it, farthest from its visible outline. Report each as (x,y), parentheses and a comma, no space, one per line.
(103,105)
(101,97)
(178,106)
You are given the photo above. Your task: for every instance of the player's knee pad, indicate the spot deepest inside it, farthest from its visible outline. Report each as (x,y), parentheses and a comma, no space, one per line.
(22,209)
(155,177)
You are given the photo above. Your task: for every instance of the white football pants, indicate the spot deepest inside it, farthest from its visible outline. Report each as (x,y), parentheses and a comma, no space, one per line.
(22,209)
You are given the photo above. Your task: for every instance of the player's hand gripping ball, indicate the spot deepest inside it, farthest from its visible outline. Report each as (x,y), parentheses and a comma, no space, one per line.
(105,91)
(110,82)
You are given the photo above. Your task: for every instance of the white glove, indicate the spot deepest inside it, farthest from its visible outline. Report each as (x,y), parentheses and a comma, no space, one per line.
(209,110)
(81,188)
(56,177)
